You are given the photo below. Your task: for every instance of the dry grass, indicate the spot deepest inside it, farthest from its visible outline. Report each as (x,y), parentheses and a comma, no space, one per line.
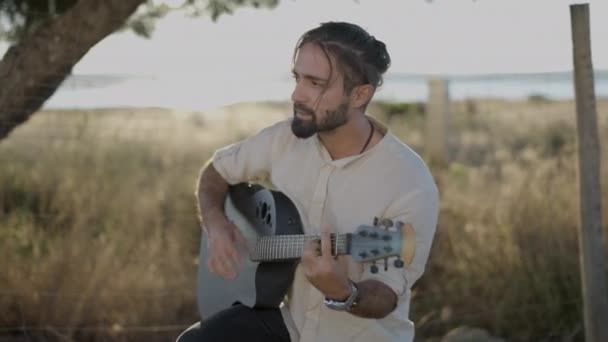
(506,252)
(99,236)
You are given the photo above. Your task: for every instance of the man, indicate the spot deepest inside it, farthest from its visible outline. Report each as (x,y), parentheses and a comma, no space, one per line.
(341,169)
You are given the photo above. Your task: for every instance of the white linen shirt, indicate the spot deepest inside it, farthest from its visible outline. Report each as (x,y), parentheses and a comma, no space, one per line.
(387,181)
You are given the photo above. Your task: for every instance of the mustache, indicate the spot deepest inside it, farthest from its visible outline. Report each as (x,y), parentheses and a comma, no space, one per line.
(302,108)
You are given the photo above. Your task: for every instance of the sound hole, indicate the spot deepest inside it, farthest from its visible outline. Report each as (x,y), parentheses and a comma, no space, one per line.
(268,219)
(264,211)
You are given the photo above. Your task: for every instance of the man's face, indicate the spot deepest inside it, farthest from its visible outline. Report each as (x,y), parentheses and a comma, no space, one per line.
(319,101)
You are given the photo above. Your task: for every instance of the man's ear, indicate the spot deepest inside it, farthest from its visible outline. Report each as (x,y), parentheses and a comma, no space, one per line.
(361,95)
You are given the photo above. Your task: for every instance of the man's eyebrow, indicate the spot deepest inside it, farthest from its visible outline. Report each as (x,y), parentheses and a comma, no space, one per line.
(310,77)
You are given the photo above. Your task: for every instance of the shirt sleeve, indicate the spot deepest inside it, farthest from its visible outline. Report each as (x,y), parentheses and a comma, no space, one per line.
(251,158)
(420,209)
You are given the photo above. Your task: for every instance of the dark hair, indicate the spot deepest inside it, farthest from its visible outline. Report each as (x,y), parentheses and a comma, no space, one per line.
(360,57)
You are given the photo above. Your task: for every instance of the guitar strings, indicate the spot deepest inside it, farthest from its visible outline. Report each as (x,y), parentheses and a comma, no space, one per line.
(279,247)
(289,246)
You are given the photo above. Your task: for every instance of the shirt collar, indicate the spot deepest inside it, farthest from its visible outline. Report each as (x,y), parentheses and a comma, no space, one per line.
(343,162)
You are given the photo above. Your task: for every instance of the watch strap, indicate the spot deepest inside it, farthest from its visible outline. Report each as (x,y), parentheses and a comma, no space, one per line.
(348,303)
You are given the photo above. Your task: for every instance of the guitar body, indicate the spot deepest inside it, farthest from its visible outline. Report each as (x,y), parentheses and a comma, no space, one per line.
(257,212)
(270,223)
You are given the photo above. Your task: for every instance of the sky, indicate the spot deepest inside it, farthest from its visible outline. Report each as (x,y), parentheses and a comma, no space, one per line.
(254,46)
(447,36)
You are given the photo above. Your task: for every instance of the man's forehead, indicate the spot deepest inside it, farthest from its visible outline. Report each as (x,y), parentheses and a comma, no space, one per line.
(312,61)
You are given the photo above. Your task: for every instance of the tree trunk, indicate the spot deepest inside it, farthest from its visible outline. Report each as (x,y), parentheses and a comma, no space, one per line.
(32,70)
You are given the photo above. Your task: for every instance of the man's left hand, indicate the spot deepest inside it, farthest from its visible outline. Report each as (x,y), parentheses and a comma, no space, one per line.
(328,274)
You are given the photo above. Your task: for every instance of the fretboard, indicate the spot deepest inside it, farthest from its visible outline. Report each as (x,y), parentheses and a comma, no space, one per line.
(286,247)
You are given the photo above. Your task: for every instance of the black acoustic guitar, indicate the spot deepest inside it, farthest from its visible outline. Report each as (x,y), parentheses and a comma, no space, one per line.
(271,225)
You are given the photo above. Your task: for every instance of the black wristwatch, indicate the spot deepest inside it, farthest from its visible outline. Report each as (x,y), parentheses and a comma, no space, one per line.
(347,304)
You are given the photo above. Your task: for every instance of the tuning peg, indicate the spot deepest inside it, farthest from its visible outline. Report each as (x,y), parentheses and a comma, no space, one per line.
(385,264)
(398,263)
(386,223)
(373,235)
(373,268)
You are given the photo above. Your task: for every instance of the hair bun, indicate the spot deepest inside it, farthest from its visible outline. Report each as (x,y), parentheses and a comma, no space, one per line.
(382,60)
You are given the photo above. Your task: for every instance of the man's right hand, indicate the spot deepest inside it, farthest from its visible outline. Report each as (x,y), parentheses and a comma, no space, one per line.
(222,238)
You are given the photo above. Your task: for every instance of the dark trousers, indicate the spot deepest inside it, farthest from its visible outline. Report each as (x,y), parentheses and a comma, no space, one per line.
(239,323)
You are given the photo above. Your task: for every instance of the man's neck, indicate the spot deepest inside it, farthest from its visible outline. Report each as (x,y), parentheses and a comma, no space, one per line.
(349,139)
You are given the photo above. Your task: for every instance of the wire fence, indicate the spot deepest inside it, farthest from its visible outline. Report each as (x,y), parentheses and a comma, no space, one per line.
(471,101)
(418,295)
(484,115)
(99,328)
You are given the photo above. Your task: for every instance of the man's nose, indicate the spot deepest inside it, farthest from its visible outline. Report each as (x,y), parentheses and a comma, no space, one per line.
(298,95)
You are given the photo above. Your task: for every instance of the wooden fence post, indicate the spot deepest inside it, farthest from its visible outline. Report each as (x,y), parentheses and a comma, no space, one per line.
(592,257)
(437,122)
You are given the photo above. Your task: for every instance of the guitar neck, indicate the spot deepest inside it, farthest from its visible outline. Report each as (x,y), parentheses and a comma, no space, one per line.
(290,247)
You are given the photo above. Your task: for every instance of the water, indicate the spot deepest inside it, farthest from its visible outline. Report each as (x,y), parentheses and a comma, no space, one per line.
(196,93)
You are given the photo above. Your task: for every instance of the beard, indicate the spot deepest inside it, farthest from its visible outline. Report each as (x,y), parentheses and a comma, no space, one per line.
(306,128)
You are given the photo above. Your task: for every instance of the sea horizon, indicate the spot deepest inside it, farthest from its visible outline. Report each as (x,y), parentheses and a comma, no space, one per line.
(192,92)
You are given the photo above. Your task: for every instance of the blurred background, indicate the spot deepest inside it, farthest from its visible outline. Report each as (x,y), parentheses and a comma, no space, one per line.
(108,113)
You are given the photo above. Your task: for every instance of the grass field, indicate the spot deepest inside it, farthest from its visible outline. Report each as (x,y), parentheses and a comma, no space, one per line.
(99,235)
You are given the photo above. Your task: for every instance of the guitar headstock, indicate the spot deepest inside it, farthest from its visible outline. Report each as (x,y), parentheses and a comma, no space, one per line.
(382,241)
